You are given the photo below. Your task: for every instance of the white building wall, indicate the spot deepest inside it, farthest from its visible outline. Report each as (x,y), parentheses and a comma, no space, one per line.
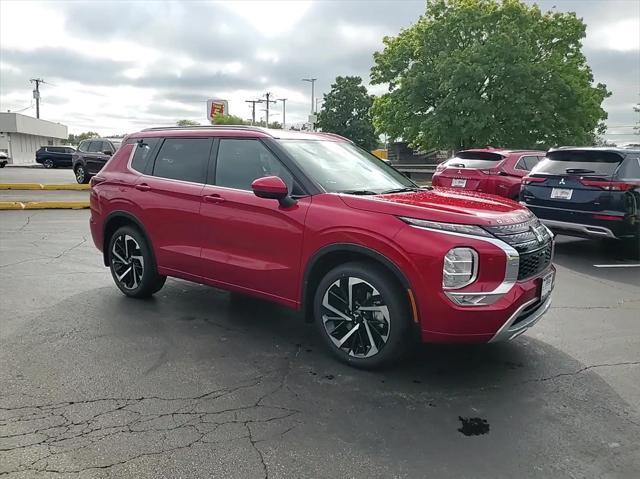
(22,148)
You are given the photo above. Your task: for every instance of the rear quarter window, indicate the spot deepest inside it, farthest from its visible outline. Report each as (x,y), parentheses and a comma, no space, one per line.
(145,149)
(630,169)
(585,162)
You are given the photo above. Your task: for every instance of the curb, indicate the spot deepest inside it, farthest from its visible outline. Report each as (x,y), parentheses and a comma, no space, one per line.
(43,205)
(44,186)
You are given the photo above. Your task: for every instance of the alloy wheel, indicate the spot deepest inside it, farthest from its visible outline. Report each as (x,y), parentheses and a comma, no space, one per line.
(355,317)
(48,163)
(127,261)
(80,174)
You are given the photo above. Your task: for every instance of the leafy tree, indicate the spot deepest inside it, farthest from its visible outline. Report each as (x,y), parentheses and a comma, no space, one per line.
(488,72)
(228,120)
(76,139)
(346,111)
(187,123)
(274,124)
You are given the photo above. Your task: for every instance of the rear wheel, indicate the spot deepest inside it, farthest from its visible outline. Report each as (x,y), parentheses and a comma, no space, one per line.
(132,265)
(48,163)
(362,315)
(82,176)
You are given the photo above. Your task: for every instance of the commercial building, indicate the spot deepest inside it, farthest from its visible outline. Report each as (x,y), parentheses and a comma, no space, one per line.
(21,136)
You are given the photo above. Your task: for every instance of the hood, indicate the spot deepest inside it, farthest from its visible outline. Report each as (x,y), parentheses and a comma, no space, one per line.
(444,204)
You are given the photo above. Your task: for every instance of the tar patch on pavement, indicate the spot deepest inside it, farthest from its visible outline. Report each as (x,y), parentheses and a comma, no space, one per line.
(473,426)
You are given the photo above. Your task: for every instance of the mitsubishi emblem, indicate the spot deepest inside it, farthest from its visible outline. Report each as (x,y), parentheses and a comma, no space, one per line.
(562,181)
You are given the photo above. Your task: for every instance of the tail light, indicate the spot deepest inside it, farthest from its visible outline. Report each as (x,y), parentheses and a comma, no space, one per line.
(532,179)
(608,217)
(607,185)
(96,180)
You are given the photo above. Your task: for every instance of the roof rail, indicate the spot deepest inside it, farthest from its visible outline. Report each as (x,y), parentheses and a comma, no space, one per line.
(208,127)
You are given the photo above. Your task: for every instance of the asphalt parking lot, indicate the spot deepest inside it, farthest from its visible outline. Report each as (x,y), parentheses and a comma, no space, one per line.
(200,383)
(36,175)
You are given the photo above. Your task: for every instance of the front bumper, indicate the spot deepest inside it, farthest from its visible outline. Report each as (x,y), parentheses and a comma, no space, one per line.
(522,319)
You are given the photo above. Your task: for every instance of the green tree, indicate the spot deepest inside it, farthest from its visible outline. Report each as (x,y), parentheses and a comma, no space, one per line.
(187,123)
(228,120)
(346,111)
(488,72)
(76,139)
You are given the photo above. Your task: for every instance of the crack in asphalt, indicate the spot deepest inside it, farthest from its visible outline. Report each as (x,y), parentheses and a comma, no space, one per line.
(54,435)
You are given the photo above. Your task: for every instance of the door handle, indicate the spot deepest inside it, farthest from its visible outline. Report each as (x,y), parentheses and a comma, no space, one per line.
(143,187)
(215,198)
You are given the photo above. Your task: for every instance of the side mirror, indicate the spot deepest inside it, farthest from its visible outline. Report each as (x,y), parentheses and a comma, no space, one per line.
(272,187)
(107,152)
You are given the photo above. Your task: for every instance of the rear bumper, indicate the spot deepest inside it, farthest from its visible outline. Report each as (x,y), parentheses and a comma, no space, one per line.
(577,229)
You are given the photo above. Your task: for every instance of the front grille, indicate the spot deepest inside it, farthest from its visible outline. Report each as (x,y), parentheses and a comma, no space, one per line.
(531,240)
(535,262)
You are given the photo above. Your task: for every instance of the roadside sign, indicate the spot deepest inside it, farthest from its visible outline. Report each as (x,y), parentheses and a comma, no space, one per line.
(216,106)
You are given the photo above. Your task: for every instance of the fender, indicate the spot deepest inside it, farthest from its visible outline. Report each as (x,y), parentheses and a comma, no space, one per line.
(134,220)
(351,247)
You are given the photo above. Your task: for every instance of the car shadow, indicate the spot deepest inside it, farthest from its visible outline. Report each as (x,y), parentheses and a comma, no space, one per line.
(581,255)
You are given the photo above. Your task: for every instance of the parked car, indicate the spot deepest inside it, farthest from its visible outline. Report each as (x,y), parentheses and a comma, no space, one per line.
(588,192)
(92,155)
(4,159)
(54,156)
(488,170)
(314,223)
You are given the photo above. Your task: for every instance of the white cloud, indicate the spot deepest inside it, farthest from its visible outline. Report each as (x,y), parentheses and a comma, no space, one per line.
(270,18)
(622,35)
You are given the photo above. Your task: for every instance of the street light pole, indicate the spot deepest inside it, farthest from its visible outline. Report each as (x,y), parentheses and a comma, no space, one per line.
(312,81)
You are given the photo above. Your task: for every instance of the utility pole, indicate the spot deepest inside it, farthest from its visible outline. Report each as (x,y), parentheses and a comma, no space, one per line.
(36,94)
(284,112)
(267,101)
(253,110)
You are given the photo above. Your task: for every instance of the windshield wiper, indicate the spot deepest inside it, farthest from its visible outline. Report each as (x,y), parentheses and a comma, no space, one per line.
(359,192)
(578,171)
(405,189)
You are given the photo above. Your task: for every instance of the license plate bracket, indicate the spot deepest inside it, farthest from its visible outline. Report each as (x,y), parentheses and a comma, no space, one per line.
(458,183)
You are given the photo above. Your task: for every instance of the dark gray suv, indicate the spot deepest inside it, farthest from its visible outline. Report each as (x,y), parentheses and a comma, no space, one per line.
(92,155)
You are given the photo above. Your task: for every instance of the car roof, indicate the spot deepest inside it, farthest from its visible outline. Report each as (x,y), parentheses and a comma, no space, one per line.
(613,149)
(501,151)
(236,131)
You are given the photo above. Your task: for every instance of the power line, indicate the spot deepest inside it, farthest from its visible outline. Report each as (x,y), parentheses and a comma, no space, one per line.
(36,93)
(253,109)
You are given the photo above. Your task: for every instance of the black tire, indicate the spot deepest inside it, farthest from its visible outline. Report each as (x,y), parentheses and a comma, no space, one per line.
(132,266)
(2,165)
(82,176)
(632,247)
(372,279)
(48,163)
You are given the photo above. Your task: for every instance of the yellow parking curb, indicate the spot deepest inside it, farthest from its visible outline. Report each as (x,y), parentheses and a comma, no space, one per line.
(20,186)
(66,186)
(11,205)
(43,205)
(41,186)
(55,205)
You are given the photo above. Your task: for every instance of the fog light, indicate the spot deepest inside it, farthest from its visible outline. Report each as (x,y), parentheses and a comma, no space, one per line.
(460,268)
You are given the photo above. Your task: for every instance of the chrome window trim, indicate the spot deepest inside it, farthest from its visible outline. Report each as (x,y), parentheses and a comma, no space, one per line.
(510,273)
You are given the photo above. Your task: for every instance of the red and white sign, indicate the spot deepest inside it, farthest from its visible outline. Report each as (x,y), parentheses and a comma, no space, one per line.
(217,106)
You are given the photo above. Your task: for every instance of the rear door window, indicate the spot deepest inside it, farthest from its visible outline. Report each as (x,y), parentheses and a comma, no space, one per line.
(475,159)
(83,146)
(183,159)
(145,149)
(579,162)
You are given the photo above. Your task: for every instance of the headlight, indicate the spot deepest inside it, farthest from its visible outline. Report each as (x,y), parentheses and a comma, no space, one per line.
(450,227)
(460,268)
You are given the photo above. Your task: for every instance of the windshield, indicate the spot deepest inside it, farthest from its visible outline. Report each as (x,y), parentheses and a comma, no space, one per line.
(576,162)
(474,159)
(343,167)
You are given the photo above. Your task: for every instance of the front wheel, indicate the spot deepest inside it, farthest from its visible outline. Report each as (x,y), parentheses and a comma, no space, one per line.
(362,314)
(82,176)
(132,265)
(48,163)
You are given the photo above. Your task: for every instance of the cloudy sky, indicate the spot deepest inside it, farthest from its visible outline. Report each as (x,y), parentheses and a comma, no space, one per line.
(116,67)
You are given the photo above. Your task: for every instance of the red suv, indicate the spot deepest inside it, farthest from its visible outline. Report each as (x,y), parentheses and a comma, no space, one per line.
(312,222)
(489,170)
